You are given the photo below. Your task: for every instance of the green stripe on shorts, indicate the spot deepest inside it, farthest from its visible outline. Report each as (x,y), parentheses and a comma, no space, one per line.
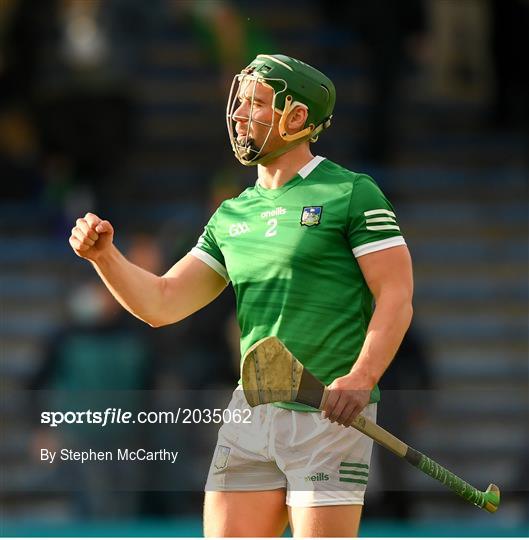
(356,473)
(353,480)
(358,465)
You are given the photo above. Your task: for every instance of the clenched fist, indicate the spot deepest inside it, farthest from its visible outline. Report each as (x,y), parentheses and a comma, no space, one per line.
(91,236)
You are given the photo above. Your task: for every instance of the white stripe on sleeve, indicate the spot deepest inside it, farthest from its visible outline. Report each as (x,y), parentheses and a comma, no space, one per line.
(382,228)
(211,262)
(381,220)
(379,245)
(382,211)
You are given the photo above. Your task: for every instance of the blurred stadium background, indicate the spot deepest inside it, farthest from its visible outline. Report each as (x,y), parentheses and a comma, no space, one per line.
(117,107)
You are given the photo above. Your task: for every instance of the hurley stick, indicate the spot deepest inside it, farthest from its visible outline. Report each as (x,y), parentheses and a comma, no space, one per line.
(270,373)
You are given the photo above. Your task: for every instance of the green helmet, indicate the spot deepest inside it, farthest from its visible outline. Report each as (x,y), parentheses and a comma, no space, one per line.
(294,83)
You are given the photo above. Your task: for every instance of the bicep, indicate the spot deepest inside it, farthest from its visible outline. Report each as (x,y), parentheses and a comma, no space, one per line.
(388,270)
(189,285)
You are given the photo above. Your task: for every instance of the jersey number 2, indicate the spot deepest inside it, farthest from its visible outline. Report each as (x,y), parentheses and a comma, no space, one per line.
(272,230)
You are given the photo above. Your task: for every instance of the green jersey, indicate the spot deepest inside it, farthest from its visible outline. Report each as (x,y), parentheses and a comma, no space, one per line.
(290,254)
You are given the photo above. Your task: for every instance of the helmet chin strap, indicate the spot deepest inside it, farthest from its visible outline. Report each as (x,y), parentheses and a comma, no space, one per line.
(312,135)
(244,151)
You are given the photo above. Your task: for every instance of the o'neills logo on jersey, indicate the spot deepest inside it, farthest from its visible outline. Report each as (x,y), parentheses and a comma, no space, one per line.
(279,211)
(318,477)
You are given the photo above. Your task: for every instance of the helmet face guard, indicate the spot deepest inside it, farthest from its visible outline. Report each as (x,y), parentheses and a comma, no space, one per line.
(294,84)
(245,148)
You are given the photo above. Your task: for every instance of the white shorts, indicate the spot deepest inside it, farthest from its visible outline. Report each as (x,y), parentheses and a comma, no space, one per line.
(318,462)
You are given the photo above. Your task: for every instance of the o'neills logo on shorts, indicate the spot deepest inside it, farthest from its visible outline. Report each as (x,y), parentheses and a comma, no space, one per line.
(318,477)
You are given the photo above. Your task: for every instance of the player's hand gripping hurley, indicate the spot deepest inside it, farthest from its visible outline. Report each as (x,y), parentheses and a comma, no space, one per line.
(270,372)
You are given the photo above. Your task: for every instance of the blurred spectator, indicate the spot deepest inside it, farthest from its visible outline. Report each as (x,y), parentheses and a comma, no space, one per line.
(67,63)
(95,363)
(230,39)
(385,28)
(460,63)
(79,356)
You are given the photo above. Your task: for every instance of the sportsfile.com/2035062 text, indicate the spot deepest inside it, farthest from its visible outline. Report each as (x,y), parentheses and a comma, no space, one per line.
(113,415)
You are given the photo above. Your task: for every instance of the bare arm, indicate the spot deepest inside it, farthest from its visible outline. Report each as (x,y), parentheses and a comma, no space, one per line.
(388,274)
(157,300)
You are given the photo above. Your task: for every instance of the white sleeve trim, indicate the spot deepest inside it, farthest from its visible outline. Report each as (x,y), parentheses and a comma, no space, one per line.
(211,262)
(379,245)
